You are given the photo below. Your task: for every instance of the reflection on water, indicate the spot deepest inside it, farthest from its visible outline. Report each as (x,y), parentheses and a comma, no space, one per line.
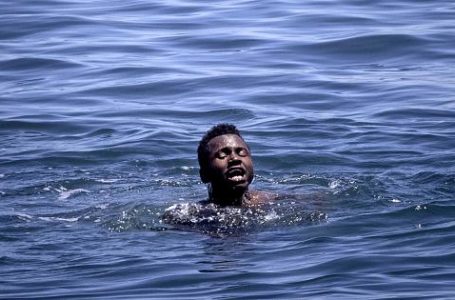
(225,255)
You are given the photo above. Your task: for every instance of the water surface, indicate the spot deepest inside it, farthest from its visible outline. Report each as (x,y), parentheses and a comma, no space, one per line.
(348,107)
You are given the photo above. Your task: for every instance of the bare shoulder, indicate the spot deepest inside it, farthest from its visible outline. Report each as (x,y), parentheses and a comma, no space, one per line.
(261,197)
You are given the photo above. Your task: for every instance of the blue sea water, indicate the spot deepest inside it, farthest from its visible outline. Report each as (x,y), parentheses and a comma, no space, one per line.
(348,107)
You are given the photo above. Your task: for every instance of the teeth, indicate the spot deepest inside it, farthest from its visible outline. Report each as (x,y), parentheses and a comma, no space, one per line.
(236,178)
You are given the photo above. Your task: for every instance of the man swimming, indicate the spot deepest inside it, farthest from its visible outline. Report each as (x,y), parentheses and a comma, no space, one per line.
(227,167)
(225,164)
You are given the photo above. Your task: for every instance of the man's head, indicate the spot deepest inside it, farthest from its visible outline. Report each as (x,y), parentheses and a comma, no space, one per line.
(225,160)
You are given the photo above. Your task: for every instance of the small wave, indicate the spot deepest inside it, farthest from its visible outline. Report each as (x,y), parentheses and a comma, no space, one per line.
(27,63)
(65,194)
(24,217)
(42,123)
(57,219)
(103,180)
(378,46)
(417,113)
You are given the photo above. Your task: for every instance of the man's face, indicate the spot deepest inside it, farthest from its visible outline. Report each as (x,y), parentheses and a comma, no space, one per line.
(230,166)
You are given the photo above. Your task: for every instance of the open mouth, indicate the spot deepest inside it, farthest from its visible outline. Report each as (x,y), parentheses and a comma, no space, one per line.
(236,174)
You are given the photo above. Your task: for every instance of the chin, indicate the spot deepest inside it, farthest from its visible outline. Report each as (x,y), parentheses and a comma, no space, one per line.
(229,187)
(240,188)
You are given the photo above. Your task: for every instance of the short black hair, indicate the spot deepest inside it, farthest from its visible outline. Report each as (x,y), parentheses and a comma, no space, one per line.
(217,130)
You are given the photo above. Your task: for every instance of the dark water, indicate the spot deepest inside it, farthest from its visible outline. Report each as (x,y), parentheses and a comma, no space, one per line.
(348,106)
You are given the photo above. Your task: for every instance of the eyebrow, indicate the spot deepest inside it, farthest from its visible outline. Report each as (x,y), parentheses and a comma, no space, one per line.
(229,149)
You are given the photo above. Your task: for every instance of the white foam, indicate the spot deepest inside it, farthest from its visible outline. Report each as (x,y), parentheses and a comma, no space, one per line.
(102,180)
(24,217)
(65,194)
(334,184)
(52,219)
(272,215)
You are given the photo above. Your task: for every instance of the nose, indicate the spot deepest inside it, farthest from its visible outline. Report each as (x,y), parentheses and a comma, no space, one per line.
(233,157)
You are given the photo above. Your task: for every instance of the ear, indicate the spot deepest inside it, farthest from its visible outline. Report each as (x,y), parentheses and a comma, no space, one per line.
(204,175)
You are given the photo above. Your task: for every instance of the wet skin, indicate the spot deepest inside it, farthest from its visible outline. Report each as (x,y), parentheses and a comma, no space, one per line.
(230,170)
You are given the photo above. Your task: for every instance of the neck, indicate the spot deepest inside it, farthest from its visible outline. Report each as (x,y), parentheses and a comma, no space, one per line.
(228,198)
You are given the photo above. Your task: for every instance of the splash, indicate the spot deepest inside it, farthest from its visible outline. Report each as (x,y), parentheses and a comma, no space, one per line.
(216,220)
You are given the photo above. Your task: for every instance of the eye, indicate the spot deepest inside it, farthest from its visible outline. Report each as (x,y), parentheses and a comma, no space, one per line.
(242,152)
(221,154)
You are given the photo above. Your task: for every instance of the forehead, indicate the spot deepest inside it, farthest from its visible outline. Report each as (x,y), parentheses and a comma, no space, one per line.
(226,140)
